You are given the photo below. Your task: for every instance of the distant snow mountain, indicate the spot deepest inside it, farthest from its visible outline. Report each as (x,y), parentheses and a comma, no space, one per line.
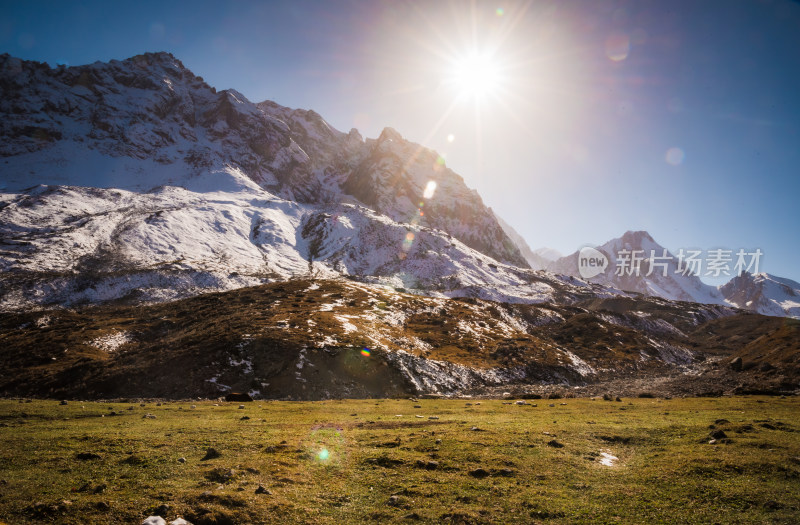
(764,293)
(548,254)
(663,281)
(135,180)
(534,259)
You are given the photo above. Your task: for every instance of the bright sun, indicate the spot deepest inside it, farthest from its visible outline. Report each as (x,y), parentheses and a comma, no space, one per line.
(475,76)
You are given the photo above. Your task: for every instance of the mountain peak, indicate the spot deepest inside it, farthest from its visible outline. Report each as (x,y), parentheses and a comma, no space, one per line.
(390,134)
(637,237)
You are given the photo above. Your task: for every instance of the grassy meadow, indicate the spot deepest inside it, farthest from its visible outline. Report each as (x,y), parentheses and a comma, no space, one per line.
(636,460)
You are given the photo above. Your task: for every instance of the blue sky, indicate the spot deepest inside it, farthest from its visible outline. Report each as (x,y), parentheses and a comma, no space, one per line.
(678,117)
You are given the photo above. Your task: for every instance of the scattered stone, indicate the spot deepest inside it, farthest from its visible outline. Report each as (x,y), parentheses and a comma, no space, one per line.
(194,406)
(130,408)
(241,407)
(394,501)
(181,460)
(736,364)
(154,520)
(427,465)
(84,456)
(413,516)
(211,453)
(158,404)
(505,472)
(252,470)
(521,402)
(102,506)
(563,404)
(63,402)
(433,417)
(476,429)
(618,400)
(421,417)
(555,444)
(551,405)
(148,416)
(718,434)
(721,422)
(438,441)
(179,521)
(607,397)
(417,406)
(263,490)
(244,418)
(478,473)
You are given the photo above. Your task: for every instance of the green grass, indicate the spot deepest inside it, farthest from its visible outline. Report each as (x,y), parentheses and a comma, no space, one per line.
(667,472)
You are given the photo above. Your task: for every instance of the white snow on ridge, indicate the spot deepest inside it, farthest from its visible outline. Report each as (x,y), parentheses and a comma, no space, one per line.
(110,342)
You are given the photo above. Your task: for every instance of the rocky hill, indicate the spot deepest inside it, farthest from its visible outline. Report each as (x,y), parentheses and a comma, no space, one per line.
(313,339)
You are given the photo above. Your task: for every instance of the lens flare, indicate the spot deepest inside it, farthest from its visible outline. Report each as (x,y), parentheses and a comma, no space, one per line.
(499,11)
(675,156)
(323,454)
(365,352)
(451,138)
(618,46)
(408,241)
(430,189)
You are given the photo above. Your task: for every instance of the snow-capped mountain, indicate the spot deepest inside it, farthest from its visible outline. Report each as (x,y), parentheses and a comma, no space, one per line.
(548,254)
(764,293)
(665,280)
(136,180)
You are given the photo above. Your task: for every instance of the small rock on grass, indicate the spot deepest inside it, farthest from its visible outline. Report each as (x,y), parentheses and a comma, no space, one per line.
(211,453)
(555,444)
(428,465)
(263,490)
(154,520)
(478,473)
(179,521)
